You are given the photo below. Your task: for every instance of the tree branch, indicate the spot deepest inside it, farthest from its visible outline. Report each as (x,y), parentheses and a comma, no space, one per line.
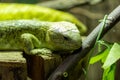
(66,4)
(71,61)
(62,4)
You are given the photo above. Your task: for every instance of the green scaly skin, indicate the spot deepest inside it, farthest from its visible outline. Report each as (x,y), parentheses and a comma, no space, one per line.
(36,37)
(26,11)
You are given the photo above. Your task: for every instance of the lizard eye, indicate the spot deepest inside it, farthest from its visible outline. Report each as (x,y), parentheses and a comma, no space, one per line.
(65,38)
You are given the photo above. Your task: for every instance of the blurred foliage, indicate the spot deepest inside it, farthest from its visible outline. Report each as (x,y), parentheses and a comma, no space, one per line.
(108,57)
(21,1)
(26,1)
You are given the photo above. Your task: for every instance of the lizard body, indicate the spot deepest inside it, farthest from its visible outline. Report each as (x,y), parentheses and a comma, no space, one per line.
(32,36)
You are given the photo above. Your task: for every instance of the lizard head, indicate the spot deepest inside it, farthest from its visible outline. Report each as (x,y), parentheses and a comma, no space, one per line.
(63,36)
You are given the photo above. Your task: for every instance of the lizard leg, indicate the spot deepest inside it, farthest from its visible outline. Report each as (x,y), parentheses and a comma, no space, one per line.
(29,42)
(42,51)
(31,45)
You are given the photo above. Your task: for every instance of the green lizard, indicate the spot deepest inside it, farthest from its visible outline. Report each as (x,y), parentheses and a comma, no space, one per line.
(33,37)
(14,11)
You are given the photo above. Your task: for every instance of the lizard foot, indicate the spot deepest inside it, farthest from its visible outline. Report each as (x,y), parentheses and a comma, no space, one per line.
(42,51)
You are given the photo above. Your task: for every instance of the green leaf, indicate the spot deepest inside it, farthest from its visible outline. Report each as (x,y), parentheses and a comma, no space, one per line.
(99,57)
(105,55)
(113,56)
(109,73)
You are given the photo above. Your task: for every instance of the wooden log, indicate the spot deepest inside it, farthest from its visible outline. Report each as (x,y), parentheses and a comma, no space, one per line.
(41,66)
(12,66)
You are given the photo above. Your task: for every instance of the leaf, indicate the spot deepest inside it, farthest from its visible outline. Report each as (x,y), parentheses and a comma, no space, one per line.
(99,57)
(105,55)
(109,73)
(113,56)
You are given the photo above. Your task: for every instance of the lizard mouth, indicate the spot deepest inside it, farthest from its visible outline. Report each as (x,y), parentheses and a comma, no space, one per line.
(67,46)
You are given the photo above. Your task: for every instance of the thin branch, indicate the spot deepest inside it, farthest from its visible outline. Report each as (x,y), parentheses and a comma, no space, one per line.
(70,62)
